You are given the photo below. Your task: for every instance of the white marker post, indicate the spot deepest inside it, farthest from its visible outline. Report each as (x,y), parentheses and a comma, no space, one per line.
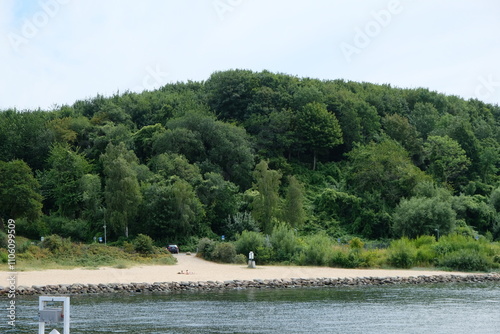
(51,314)
(251,261)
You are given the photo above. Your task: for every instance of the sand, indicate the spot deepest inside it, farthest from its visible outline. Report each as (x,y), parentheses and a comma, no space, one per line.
(199,270)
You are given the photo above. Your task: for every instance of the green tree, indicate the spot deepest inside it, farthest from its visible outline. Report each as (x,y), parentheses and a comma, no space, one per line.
(445,158)
(220,198)
(61,183)
(122,192)
(293,208)
(227,147)
(424,117)
(172,210)
(144,139)
(19,192)
(383,168)
(317,129)
(399,128)
(92,200)
(266,205)
(419,216)
(168,165)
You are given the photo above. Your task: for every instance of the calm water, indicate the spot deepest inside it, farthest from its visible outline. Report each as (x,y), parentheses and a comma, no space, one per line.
(452,308)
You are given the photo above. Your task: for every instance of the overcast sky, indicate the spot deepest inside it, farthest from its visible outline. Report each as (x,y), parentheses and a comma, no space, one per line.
(54,52)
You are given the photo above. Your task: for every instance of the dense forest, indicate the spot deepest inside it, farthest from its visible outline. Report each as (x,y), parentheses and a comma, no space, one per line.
(253,151)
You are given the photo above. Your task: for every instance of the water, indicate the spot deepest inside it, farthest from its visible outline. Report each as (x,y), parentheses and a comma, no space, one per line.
(439,308)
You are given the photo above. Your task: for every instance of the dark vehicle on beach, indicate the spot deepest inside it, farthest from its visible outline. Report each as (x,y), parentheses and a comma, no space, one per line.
(174,249)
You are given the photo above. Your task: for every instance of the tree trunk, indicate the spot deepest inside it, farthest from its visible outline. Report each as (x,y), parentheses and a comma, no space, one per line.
(314,160)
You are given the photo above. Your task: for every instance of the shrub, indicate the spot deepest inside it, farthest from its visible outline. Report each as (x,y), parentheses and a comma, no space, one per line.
(466,260)
(206,248)
(57,244)
(425,256)
(318,250)
(402,253)
(284,242)
(424,240)
(356,243)
(76,229)
(4,256)
(143,244)
(250,241)
(224,252)
(3,240)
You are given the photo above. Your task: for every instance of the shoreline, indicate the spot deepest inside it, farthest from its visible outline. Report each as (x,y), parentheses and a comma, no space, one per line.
(169,287)
(205,275)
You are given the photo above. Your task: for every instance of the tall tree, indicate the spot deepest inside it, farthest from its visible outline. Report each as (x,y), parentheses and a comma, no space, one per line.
(293,209)
(61,183)
(122,192)
(266,204)
(317,129)
(19,192)
(446,159)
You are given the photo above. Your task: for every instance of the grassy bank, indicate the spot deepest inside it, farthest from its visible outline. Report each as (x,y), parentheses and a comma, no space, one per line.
(284,246)
(60,253)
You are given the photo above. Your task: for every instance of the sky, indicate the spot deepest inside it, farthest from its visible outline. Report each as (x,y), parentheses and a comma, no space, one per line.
(55,52)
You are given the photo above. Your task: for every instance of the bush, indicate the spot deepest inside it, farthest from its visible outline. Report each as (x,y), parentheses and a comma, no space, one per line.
(143,244)
(4,256)
(206,248)
(284,243)
(224,252)
(76,229)
(402,253)
(318,250)
(3,240)
(250,241)
(356,243)
(57,245)
(466,260)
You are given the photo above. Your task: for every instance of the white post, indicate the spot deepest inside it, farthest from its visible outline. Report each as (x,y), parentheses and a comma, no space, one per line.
(251,261)
(66,312)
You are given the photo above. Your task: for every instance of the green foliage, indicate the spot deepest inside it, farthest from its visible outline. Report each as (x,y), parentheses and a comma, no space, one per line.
(285,243)
(206,247)
(76,229)
(385,168)
(317,250)
(57,245)
(266,204)
(122,193)
(421,215)
(317,129)
(178,163)
(446,159)
(19,192)
(224,252)
(402,254)
(239,222)
(143,244)
(466,260)
(250,241)
(293,207)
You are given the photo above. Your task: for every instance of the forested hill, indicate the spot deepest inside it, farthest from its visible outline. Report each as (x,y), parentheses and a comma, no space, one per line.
(247,151)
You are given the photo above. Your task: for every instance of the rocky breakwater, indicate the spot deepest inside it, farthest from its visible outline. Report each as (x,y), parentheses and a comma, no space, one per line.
(77,289)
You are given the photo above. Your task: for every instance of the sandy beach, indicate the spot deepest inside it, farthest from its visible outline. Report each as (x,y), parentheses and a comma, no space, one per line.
(199,270)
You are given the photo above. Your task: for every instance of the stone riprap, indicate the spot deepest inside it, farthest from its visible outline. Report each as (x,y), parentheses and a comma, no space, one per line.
(78,289)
